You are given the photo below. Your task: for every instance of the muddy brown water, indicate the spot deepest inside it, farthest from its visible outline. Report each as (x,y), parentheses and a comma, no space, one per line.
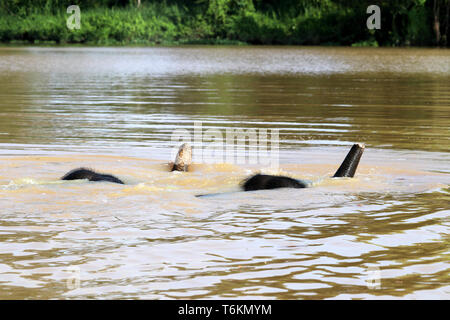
(383,234)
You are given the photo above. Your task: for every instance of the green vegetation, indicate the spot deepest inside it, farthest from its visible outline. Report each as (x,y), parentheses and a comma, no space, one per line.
(304,22)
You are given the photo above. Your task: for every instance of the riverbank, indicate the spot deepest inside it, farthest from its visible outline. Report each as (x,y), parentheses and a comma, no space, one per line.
(174,24)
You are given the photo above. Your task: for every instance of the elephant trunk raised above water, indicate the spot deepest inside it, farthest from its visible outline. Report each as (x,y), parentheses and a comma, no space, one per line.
(351,161)
(256,182)
(182,162)
(183,159)
(263,181)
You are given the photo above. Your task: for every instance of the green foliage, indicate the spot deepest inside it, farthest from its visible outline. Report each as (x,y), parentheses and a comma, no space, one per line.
(418,31)
(306,22)
(257,28)
(366,43)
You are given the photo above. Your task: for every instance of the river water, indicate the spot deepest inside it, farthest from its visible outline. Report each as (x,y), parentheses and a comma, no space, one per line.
(383,234)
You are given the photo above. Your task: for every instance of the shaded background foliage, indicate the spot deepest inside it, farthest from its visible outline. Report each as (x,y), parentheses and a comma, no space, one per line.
(316,22)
